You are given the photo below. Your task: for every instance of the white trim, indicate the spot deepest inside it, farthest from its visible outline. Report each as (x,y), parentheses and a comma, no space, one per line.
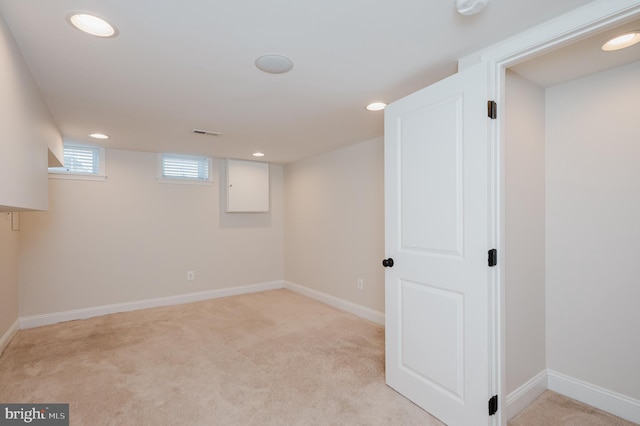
(6,337)
(557,32)
(612,402)
(178,181)
(76,176)
(76,314)
(526,394)
(621,405)
(53,318)
(343,305)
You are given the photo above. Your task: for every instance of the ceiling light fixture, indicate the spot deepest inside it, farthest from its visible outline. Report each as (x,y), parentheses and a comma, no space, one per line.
(91,24)
(376,106)
(258,154)
(99,136)
(274,63)
(624,40)
(470,7)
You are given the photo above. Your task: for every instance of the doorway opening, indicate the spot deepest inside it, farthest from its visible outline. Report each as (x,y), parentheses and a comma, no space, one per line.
(571,274)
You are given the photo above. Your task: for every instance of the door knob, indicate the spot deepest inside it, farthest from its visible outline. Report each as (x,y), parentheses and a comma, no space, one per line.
(387,263)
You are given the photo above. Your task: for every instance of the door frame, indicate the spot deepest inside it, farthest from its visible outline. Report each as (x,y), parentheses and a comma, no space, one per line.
(558,32)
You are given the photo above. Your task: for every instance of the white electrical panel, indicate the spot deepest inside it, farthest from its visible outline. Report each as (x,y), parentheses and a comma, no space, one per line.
(247,186)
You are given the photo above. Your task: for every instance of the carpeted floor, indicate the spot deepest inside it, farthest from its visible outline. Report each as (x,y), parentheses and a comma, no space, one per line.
(270,358)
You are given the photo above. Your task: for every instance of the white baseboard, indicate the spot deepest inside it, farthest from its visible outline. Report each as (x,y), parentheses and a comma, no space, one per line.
(6,337)
(47,319)
(596,396)
(352,308)
(76,314)
(604,399)
(526,394)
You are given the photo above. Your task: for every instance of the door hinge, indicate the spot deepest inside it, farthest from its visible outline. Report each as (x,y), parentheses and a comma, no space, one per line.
(493,257)
(493,405)
(492,109)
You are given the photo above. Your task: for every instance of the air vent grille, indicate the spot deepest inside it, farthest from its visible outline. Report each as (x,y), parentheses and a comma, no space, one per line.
(206,132)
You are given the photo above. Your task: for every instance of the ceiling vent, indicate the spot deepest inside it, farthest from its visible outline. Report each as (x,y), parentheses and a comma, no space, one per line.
(206,132)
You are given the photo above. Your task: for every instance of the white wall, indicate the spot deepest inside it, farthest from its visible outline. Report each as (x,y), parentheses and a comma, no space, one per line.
(593,229)
(130,238)
(525,230)
(27,131)
(334,223)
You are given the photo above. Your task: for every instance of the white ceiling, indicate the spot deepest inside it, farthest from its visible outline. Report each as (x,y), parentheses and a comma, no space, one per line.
(176,66)
(580,59)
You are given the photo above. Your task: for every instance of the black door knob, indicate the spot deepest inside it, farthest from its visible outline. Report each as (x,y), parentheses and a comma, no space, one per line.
(387,263)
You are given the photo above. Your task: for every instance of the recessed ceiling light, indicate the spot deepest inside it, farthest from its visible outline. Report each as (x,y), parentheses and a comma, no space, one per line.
(274,63)
(91,24)
(258,154)
(376,106)
(99,136)
(622,41)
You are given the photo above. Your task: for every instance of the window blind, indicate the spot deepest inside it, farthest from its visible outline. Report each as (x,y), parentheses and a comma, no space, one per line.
(176,166)
(80,159)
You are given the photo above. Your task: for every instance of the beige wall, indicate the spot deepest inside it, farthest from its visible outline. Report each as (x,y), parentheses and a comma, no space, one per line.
(27,132)
(593,229)
(579,319)
(524,230)
(130,238)
(8,274)
(334,223)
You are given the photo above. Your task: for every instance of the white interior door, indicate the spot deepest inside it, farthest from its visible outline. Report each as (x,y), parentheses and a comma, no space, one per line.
(437,196)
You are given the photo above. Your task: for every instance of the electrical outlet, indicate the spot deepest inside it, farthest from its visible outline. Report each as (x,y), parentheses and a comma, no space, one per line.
(190,276)
(360,284)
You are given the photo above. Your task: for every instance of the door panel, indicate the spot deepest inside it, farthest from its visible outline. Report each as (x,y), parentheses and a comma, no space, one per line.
(438,323)
(443,369)
(432,170)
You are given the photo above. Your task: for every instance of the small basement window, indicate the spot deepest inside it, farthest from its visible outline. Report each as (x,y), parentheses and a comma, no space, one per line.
(179,168)
(81,162)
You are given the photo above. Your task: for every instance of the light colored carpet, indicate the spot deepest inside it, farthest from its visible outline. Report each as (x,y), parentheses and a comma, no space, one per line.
(271,358)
